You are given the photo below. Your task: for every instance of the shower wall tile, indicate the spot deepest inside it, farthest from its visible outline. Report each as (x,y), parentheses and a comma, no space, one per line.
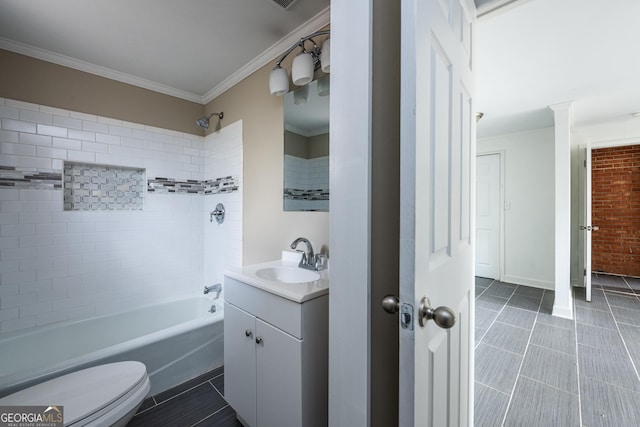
(57,265)
(306,183)
(64,120)
(36,116)
(17,125)
(98,188)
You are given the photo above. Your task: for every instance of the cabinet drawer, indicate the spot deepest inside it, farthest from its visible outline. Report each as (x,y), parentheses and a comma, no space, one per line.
(280,312)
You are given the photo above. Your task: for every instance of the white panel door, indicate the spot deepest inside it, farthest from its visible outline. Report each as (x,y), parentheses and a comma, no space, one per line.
(587,223)
(437,214)
(488,216)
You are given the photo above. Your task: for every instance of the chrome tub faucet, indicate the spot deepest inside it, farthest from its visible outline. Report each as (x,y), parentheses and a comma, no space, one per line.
(217,288)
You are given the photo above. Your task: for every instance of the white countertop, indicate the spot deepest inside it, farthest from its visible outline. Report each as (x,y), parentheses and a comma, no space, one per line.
(297,292)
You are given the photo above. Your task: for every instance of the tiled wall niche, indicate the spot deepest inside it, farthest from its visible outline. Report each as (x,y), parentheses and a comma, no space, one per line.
(58,265)
(89,187)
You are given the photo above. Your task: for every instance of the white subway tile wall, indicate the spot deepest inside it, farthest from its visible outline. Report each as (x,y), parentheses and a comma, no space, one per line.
(58,265)
(306,183)
(223,248)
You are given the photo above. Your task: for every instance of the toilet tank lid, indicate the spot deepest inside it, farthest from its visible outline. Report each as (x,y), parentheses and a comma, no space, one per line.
(83,392)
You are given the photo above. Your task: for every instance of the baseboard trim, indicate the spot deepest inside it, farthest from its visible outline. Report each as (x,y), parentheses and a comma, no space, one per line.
(565,312)
(527,281)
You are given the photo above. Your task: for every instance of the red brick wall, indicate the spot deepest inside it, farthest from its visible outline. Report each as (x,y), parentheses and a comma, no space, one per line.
(615,200)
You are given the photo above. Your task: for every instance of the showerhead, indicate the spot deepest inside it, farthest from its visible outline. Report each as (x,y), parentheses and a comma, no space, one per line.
(203,121)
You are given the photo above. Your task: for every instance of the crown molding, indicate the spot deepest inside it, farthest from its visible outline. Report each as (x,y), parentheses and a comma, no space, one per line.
(67,61)
(319,21)
(316,23)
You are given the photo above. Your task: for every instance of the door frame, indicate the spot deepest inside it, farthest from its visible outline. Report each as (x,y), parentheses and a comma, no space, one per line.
(584,250)
(501,154)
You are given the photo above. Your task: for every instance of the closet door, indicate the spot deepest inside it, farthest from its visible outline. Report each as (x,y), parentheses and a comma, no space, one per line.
(488,206)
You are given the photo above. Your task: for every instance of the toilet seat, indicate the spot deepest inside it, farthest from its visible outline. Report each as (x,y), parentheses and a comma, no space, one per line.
(97,396)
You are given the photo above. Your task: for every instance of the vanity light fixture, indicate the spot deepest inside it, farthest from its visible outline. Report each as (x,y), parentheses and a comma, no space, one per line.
(324,86)
(304,64)
(301,95)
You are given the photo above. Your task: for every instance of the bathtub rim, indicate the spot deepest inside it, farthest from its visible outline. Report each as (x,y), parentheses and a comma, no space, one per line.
(16,381)
(37,329)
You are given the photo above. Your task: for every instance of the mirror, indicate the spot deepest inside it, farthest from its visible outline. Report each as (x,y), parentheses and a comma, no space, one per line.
(306,147)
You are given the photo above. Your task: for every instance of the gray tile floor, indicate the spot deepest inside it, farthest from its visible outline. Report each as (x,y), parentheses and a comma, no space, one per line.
(197,402)
(533,369)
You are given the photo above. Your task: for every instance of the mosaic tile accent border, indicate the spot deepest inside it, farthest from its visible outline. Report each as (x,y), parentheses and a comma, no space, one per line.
(297,194)
(96,187)
(10,177)
(89,187)
(227,184)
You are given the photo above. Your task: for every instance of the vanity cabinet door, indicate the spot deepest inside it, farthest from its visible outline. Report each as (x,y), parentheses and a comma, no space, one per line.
(279,377)
(240,362)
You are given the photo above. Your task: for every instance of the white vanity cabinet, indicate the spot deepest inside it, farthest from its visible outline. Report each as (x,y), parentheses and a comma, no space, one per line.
(275,357)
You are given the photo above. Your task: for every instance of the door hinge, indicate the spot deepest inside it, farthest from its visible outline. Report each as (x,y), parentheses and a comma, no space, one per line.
(584,272)
(585,163)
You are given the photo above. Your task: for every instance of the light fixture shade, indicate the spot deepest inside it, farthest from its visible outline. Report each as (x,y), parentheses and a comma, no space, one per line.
(325,56)
(301,95)
(302,69)
(323,86)
(278,81)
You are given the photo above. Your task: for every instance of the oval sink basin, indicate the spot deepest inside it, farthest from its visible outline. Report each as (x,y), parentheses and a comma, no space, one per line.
(287,274)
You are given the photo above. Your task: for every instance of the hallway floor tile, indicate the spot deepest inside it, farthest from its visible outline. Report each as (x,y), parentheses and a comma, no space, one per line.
(534,369)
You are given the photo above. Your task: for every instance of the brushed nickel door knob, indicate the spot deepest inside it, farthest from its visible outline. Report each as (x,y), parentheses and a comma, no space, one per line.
(443,316)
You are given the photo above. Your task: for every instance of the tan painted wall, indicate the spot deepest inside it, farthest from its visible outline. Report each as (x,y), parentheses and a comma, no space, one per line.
(32,80)
(296,145)
(319,146)
(267,229)
(306,148)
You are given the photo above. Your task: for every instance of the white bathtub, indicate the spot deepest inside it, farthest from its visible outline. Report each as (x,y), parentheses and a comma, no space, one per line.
(176,340)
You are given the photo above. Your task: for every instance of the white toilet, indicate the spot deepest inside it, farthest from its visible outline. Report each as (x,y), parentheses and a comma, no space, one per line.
(105,395)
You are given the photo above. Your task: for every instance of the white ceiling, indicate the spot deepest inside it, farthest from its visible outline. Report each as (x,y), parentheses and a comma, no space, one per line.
(184,48)
(528,56)
(310,118)
(545,52)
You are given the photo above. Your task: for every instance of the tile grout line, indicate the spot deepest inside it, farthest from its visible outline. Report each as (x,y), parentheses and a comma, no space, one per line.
(550,386)
(487,287)
(513,390)
(181,393)
(491,388)
(476,297)
(621,337)
(216,389)
(575,333)
(620,290)
(210,415)
(498,315)
(633,290)
(149,408)
(502,349)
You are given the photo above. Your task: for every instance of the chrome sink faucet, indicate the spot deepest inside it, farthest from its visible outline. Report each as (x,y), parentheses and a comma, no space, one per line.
(308,260)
